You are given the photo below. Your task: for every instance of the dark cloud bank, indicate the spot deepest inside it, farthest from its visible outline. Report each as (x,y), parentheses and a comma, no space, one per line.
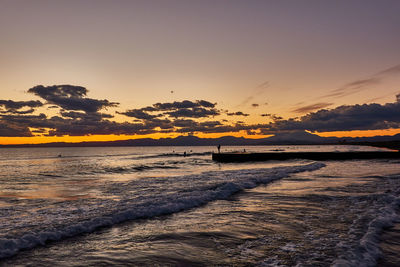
(343,118)
(81,115)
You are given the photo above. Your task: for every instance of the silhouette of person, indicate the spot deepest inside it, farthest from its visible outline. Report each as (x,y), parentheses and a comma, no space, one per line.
(184,154)
(219,148)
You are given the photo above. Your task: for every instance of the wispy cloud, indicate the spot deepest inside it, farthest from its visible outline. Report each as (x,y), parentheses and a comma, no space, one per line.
(257,91)
(263,85)
(353,87)
(362,84)
(312,107)
(390,71)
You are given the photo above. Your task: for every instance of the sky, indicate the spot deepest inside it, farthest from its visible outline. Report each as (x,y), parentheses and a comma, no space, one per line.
(107,70)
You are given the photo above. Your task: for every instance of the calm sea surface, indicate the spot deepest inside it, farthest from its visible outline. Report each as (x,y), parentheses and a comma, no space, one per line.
(153,206)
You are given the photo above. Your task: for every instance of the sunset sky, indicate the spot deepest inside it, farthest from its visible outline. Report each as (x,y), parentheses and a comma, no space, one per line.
(107,70)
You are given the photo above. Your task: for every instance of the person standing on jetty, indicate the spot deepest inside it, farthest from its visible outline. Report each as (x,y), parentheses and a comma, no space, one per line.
(219,149)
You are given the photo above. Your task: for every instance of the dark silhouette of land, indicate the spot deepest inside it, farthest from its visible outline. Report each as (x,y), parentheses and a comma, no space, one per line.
(295,138)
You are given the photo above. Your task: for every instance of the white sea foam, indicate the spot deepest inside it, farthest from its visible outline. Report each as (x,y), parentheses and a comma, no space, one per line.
(137,199)
(271,262)
(367,251)
(289,247)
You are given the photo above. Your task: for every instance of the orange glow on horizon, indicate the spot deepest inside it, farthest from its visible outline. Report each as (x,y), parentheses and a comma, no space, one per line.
(359,133)
(73,139)
(102,138)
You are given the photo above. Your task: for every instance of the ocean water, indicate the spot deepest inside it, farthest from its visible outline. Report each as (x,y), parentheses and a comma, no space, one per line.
(132,206)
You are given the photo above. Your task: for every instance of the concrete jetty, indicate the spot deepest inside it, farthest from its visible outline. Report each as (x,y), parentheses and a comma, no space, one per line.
(243,156)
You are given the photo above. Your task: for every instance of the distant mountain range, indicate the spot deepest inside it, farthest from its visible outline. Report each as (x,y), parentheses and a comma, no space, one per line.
(293,138)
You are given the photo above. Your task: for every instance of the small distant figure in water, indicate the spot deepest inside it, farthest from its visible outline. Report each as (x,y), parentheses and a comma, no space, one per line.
(219,148)
(244,150)
(59,155)
(184,154)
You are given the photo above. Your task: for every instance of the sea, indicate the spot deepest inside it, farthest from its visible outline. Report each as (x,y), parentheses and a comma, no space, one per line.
(154,206)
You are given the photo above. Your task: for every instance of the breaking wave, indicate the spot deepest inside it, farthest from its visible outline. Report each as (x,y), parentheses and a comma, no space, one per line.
(144,198)
(367,252)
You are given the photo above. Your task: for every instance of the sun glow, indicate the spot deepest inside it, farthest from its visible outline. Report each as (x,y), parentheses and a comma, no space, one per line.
(112,137)
(359,133)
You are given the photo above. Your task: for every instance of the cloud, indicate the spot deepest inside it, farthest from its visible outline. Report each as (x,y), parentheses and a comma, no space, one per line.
(193,113)
(139,114)
(8,129)
(9,104)
(254,105)
(218,127)
(80,115)
(159,123)
(190,126)
(245,101)
(185,123)
(104,127)
(14,107)
(72,123)
(39,131)
(77,116)
(10,111)
(53,106)
(70,97)
(238,113)
(274,117)
(12,125)
(363,84)
(182,105)
(257,91)
(312,107)
(176,109)
(33,121)
(17,126)
(263,85)
(343,118)
(95,116)
(354,87)
(206,104)
(390,71)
